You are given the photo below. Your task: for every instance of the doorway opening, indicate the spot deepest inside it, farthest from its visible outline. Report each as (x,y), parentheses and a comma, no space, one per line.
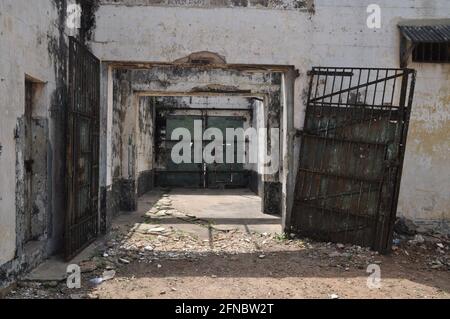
(32,221)
(181,160)
(194,143)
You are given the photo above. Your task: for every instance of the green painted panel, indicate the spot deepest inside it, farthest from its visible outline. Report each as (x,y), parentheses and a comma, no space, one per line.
(193,174)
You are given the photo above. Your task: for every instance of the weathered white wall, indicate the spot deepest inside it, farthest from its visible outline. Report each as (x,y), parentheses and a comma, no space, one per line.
(28,34)
(336,35)
(145,127)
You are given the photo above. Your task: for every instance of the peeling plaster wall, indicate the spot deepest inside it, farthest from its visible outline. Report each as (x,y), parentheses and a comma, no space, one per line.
(145,152)
(298,5)
(425,189)
(332,33)
(32,42)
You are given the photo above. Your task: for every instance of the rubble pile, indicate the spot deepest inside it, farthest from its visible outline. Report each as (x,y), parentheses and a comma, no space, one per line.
(151,242)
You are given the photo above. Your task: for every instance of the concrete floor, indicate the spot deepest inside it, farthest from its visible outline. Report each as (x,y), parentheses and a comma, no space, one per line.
(226,209)
(222,209)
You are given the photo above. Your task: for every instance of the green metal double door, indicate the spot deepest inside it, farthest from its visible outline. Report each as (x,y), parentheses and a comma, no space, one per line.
(199,172)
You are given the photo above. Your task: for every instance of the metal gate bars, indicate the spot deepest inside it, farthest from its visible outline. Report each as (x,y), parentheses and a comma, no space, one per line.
(351,157)
(82,149)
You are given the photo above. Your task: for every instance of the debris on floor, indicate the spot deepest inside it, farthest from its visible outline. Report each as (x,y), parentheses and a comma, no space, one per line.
(149,259)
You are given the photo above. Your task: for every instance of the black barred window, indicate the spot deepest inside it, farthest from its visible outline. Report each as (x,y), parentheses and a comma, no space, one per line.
(431,52)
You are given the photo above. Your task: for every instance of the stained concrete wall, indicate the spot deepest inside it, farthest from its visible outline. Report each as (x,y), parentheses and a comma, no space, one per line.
(127,87)
(32,43)
(332,33)
(145,137)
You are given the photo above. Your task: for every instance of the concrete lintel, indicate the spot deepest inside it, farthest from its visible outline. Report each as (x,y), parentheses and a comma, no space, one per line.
(233,66)
(199,93)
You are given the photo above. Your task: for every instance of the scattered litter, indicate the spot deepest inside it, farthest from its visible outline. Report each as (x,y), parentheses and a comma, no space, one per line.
(108,275)
(418,239)
(124,261)
(404,226)
(96,281)
(334,296)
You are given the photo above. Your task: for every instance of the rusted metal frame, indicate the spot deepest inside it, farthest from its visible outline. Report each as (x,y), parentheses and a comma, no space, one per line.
(338,181)
(380,195)
(380,192)
(331,73)
(316,149)
(95,140)
(334,104)
(356,162)
(386,169)
(381,183)
(393,92)
(363,119)
(70,145)
(342,140)
(374,97)
(354,178)
(349,145)
(320,68)
(329,196)
(355,87)
(84,99)
(336,211)
(388,111)
(82,220)
(384,87)
(406,111)
(324,144)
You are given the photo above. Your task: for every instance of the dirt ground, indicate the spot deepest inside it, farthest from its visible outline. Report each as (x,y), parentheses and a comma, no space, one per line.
(146,256)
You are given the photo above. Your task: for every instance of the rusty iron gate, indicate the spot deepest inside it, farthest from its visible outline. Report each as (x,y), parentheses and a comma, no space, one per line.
(351,157)
(82,149)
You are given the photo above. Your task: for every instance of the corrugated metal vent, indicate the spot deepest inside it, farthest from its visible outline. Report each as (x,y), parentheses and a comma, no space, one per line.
(426,34)
(429,40)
